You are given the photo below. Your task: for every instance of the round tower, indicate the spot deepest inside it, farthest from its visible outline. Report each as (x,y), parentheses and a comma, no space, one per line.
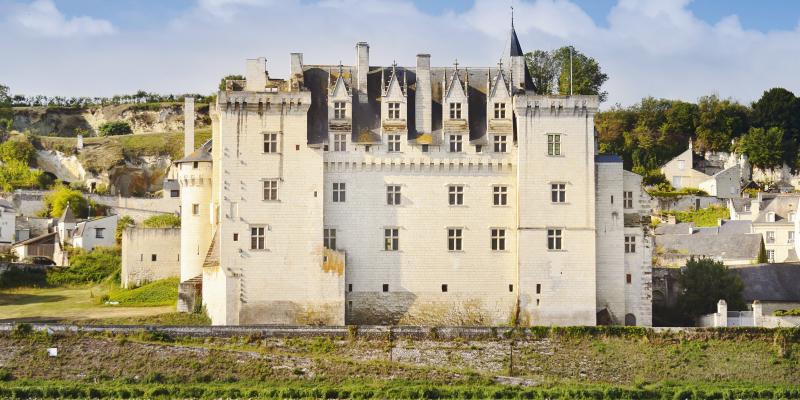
(194,177)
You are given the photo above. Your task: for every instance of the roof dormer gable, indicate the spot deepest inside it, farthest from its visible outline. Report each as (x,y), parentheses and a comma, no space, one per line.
(499,86)
(392,88)
(339,87)
(455,86)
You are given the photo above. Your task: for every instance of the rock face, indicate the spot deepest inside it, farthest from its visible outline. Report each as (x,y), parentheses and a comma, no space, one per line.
(143,118)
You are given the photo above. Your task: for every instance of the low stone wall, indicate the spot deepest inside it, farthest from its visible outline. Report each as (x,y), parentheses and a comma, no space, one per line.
(150,254)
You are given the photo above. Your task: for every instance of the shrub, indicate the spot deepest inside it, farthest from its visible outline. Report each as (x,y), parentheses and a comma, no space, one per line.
(18,277)
(87,267)
(163,221)
(114,128)
(13,150)
(15,174)
(56,201)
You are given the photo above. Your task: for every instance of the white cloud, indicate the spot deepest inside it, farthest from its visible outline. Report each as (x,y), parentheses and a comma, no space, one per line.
(43,18)
(647,47)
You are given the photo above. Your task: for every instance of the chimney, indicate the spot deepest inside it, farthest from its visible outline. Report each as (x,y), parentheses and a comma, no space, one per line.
(256,75)
(297,64)
(721,318)
(362,68)
(423,95)
(188,125)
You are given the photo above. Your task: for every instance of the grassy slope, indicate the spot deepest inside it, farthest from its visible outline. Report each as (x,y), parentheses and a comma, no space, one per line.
(159,293)
(656,365)
(703,217)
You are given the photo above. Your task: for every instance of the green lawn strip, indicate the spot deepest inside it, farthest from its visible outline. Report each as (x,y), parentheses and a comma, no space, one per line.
(163,292)
(360,389)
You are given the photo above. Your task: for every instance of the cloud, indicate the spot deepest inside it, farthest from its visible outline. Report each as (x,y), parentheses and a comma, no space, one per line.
(647,47)
(43,18)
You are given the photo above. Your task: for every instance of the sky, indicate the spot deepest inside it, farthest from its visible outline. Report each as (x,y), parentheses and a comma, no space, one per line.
(677,49)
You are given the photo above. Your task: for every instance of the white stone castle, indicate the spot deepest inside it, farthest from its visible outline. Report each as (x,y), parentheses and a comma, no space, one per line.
(409,195)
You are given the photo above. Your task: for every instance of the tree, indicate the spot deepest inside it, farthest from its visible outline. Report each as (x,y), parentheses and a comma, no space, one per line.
(163,221)
(705,282)
(720,121)
(56,201)
(114,128)
(16,174)
(21,151)
(779,108)
(124,222)
(762,254)
(5,102)
(229,78)
(550,71)
(763,147)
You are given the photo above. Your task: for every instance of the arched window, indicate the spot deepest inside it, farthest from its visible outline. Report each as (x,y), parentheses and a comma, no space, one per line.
(630,320)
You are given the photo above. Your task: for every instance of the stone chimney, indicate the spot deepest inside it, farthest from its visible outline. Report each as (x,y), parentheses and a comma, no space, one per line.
(758,311)
(297,64)
(188,125)
(423,95)
(517,73)
(256,75)
(362,68)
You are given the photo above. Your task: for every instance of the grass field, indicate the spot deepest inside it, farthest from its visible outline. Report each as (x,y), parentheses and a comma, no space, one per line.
(67,304)
(159,293)
(575,363)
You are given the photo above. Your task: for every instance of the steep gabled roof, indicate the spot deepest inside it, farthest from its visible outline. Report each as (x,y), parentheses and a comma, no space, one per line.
(67,216)
(393,87)
(499,81)
(454,84)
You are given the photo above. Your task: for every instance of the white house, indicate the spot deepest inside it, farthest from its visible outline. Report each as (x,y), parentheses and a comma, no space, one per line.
(8,222)
(95,232)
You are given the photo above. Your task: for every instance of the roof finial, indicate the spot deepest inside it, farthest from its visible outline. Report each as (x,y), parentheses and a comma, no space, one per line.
(340,68)
(456,64)
(512,14)
(500,64)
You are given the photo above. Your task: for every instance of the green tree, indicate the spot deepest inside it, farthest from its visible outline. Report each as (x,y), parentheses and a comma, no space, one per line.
(779,108)
(124,222)
(56,201)
(762,254)
(763,147)
(720,121)
(16,174)
(705,282)
(229,78)
(163,221)
(550,71)
(22,151)
(5,103)
(114,128)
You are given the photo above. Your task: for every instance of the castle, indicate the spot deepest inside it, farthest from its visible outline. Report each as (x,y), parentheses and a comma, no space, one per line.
(360,194)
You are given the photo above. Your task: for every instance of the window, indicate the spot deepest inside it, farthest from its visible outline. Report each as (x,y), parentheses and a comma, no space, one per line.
(385,287)
(770,216)
(444,288)
(455,195)
(627,200)
(500,143)
(747,208)
(195,164)
(425,148)
(329,237)
(612,199)
(339,108)
(499,110)
(677,183)
(393,195)
(478,148)
(628,278)
(454,236)
(350,287)
(339,142)
(391,238)
(174,193)
(153,257)
(558,192)
(98,232)
(338,192)
(538,288)
(455,143)
(630,244)
(498,239)
(790,239)
(394,110)
(270,143)
(553,144)
(455,110)
(500,195)
(257,238)
(394,143)
(195,209)
(770,237)
(235,237)
(271,189)
(554,239)
(771,255)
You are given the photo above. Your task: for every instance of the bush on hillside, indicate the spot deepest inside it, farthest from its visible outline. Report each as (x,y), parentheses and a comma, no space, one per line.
(114,128)
(22,151)
(163,221)
(16,174)
(87,267)
(56,201)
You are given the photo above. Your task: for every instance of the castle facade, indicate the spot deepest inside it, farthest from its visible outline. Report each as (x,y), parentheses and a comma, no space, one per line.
(361,194)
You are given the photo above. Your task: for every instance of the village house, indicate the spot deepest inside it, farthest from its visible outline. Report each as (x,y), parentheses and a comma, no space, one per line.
(773,216)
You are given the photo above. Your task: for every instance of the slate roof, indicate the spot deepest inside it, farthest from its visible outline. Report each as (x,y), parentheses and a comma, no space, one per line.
(202,154)
(67,216)
(781,205)
(47,237)
(728,247)
(735,227)
(770,282)
(607,158)
(683,228)
(740,202)
(6,204)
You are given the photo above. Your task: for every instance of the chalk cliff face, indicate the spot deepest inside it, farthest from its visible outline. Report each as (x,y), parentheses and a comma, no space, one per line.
(143,118)
(136,176)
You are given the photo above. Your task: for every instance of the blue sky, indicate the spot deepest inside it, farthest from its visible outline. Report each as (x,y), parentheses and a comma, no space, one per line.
(664,48)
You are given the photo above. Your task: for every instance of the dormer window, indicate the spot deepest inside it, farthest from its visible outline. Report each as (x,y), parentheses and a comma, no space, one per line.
(770,216)
(791,216)
(499,110)
(394,110)
(339,110)
(455,110)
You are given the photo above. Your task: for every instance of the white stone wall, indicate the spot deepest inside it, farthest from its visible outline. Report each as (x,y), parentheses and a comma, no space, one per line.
(567,277)
(89,240)
(781,245)
(476,276)
(139,245)
(611,258)
(8,225)
(639,293)
(195,181)
(724,185)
